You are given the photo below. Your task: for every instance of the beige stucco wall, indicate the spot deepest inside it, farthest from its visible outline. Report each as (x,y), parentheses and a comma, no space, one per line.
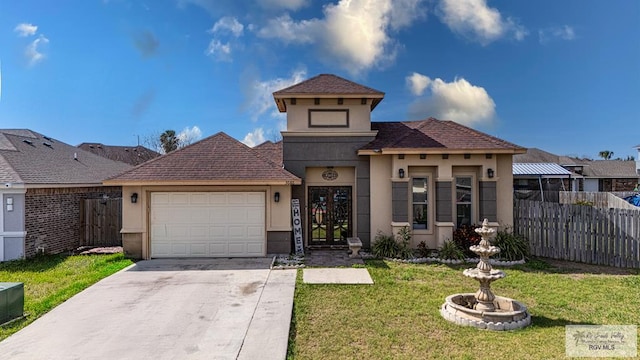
(385,168)
(380,195)
(359,115)
(135,217)
(504,189)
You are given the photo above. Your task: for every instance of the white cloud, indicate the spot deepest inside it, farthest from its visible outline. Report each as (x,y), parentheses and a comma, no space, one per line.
(355,34)
(288,30)
(228,24)
(284,4)
(256,137)
(259,94)
(459,101)
(565,32)
(218,50)
(417,83)
(475,20)
(228,27)
(33,52)
(25,29)
(189,135)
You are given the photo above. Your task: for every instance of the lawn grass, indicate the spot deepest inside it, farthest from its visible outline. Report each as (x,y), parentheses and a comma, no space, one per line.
(398,317)
(52,279)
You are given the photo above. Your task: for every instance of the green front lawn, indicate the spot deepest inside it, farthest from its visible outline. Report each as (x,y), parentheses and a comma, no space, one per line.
(50,280)
(398,317)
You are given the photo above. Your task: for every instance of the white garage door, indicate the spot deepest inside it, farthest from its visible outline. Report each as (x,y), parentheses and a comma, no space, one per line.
(207,224)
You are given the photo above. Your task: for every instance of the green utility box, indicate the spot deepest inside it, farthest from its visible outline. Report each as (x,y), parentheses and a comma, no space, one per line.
(11,301)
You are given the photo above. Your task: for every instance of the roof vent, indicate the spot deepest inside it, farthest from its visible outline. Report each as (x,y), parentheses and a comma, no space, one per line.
(27,141)
(91,146)
(47,138)
(46,144)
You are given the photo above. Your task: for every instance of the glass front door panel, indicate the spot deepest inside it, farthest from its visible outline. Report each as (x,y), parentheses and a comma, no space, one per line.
(329,215)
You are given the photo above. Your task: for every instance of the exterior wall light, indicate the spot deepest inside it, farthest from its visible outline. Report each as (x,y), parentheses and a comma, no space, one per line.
(276,197)
(490,173)
(134,198)
(401,173)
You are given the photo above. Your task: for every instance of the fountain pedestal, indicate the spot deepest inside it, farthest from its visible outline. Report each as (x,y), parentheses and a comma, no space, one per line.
(483,309)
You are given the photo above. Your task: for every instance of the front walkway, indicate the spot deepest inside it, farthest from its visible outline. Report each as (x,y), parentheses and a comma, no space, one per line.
(330,258)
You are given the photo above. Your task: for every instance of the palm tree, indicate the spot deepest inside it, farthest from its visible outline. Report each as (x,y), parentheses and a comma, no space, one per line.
(605,154)
(169,141)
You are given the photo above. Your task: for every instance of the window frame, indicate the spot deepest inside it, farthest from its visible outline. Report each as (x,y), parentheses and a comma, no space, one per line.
(430,200)
(473,201)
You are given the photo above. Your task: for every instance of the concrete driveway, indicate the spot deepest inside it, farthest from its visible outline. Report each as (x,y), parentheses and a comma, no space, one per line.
(169,309)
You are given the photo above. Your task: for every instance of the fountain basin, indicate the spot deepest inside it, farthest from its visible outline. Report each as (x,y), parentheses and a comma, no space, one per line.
(509,314)
(492,275)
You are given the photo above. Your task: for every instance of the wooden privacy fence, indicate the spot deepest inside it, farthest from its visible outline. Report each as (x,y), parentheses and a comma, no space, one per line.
(580,233)
(598,199)
(101,221)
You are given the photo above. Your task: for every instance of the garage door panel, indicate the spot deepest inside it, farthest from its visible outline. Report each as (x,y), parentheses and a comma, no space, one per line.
(255,249)
(218,198)
(237,198)
(218,215)
(255,199)
(199,249)
(198,198)
(237,231)
(214,224)
(218,249)
(255,232)
(179,199)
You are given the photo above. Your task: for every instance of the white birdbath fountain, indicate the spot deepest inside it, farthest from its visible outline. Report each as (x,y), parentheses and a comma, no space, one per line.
(483,309)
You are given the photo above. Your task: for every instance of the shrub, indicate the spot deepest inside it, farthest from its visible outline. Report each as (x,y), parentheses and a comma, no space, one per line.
(512,246)
(385,246)
(466,236)
(451,250)
(404,249)
(390,247)
(423,250)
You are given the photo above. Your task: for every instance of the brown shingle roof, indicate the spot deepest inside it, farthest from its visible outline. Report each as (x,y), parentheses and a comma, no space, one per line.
(214,160)
(610,169)
(327,84)
(132,155)
(271,151)
(30,158)
(436,135)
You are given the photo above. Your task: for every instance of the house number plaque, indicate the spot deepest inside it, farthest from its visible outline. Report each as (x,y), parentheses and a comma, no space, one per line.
(329,174)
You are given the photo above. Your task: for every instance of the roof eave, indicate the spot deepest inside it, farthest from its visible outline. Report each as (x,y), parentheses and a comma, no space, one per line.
(231,182)
(438,151)
(282,106)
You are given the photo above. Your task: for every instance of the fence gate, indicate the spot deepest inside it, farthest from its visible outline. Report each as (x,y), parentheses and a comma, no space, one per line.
(101,221)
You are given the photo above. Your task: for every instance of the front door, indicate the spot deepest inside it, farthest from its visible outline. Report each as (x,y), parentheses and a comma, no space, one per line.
(329,215)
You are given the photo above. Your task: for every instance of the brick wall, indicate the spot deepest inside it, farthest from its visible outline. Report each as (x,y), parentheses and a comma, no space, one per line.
(52,217)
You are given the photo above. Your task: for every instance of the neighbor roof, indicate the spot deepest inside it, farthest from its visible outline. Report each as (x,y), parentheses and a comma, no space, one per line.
(324,85)
(535,155)
(540,169)
(30,158)
(271,151)
(433,135)
(132,155)
(611,169)
(218,159)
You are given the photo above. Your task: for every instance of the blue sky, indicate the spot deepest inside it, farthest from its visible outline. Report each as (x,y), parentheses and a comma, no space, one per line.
(560,75)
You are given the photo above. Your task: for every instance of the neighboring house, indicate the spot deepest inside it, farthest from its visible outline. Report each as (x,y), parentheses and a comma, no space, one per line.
(42,183)
(132,155)
(586,175)
(352,177)
(541,177)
